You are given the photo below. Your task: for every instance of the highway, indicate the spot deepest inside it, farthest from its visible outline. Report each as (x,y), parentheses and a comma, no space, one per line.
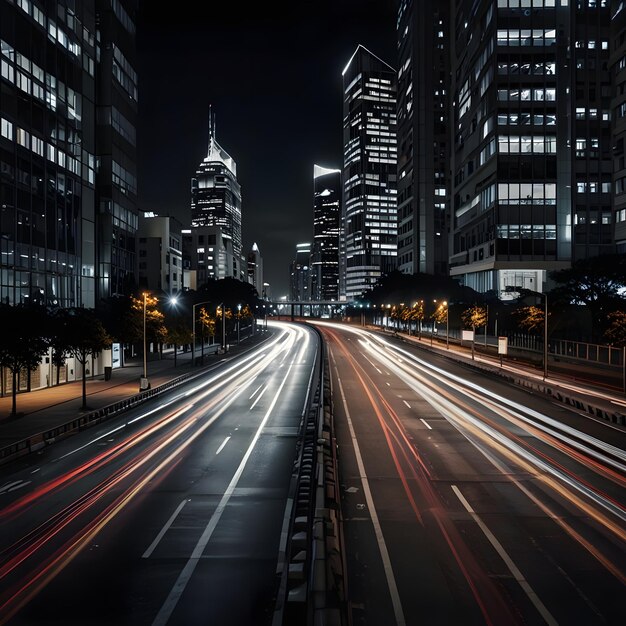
(469,501)
(171,513)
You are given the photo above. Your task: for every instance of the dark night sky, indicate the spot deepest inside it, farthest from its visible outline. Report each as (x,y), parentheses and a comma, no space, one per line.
(273,76)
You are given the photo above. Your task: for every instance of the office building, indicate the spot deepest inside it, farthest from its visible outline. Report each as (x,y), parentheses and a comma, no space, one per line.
(47,153)
(532,161)
(255,269)
(116,175)
(159,254)
(216,198)
(369,208)
(618,110)
(326,228)
(300,274)
(207,255)
(423,136)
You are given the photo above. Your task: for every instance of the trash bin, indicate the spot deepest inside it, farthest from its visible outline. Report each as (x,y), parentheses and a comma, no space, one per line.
(107,372)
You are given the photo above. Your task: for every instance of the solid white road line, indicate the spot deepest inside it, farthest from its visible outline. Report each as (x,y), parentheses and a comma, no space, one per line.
(163,530)
(382,546)
(426,423)
(184,577)
(519,577)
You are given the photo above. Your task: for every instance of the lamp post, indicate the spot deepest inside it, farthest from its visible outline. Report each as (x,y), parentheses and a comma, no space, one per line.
(238,321)
(143,383)
(221,306)
(193,330)
(445,303)
(545,337)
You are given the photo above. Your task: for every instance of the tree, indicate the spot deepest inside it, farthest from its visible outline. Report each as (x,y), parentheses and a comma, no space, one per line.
(615,334)
(156,332)
(474,317)
(59,339)
(23,343)
(88,338)
(595,282)
(530,318)
(179,334)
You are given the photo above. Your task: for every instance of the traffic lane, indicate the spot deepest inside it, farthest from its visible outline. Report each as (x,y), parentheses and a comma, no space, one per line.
(590,530)
(185,481)
(424,578)
(452,449)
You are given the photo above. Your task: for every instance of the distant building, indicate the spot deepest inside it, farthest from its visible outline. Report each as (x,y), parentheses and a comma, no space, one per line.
(216,199)
(255,269)
(326,229)
(369,171)
(207,255)
(300,275)
(159,254)
(423,136)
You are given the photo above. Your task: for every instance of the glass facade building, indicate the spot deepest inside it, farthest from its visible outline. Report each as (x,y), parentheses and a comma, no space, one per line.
(369,211)
(326,227)
(117,216)
(47,153)
(532,140)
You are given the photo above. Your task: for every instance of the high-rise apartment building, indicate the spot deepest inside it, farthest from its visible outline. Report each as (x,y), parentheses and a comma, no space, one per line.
(532,160)
(326,226)
(369,211)
(423,29)
(216,198)
(116,177)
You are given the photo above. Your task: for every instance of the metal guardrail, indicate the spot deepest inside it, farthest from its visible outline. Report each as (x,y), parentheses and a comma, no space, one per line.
(312,585)
(40,440)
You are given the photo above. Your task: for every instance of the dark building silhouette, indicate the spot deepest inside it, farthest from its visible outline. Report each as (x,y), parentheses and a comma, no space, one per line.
(423,136)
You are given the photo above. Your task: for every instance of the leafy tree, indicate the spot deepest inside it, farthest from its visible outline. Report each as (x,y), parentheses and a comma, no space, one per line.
(179,334)
(156,332)
(23,343)
(87,339)
(596,282)
(59,338)
(615,334)
(474,317)
(530,318)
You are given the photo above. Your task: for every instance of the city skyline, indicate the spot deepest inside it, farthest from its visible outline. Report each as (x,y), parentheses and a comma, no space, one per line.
(261,96)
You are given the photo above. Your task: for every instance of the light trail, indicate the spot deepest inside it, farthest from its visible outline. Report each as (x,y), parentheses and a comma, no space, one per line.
(163,442)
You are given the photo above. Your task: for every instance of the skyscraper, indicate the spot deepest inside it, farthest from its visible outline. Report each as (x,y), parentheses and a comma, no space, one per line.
(326,225)
(48,62)
(300,274)
(117,216)
(532,146)
(216,197)
(255,269)
(423,136)
(369,211)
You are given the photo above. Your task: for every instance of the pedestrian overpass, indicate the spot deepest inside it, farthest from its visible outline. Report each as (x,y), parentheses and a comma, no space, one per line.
(317,309)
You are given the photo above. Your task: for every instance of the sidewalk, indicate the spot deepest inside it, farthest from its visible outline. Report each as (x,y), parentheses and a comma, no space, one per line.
(44,409)
(592,397)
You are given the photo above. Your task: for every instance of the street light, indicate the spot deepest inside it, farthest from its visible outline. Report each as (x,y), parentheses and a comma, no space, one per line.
(193,330)
(143,382)
(238,321)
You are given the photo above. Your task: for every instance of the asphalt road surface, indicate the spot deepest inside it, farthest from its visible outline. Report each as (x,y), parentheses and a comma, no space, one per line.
(469,501)
(172,513)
